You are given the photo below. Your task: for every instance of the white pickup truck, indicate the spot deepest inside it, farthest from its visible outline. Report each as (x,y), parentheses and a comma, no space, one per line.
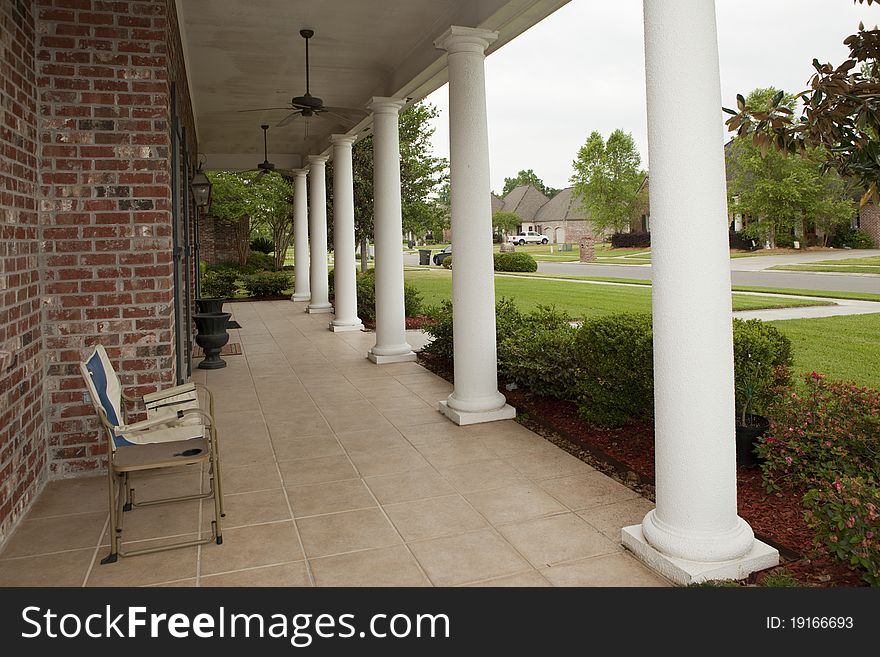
(529,237)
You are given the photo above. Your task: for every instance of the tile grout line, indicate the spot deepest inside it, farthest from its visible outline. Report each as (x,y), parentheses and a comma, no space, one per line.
(104,529)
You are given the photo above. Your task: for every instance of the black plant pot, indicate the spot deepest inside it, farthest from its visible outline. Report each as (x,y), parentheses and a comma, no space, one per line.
(746,436)
(211,304)
(211,337)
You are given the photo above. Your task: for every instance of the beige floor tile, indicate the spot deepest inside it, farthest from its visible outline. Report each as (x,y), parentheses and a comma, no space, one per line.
(454,451)
(619,569)
(587,491)
(428,434)
(331,497)
(146,486)
(467,558)
(309,447)
(249,478)
(257,545)
(316,471)
(297,426)
(371,440)
(391,566)
(153,522)
(189,582)
(60,498)
(514,503)
(543,465)
(247,452)
(611,518)
(387,461)
(415,417)
(531,578)
(144,569)
(517,442)
(407,486)
(409,402)
(433,517)
(228,400)
(346,532)
(357,421)
(244,509)
(547,541)
(285,574)
(43,535)
(482,475)
(387,389)
(62,569)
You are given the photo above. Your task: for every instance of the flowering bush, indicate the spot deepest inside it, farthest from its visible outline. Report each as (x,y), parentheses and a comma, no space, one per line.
(845,516)
(830,431)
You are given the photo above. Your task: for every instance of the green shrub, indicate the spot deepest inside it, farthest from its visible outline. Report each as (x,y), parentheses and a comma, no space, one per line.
(537,351)
(267,283)
(615,363)
(262,244)
(515,262)
(852,238)
(220,282)
(762,364)
(447,262)
(830,430)
(440,330)
(844,514)
(366,296)
(257,261)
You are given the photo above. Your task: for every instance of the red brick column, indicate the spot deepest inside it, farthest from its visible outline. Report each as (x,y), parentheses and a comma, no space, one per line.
(22,429)
(869,221)
(104,98)
(588,248)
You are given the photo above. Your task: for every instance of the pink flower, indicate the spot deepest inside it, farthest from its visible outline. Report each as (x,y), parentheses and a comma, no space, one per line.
(837,485)
(788,460)
(850,522)
(869,534)
(834,538)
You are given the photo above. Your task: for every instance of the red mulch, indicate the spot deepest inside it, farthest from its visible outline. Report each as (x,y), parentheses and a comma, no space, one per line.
(627,454)
(413,323)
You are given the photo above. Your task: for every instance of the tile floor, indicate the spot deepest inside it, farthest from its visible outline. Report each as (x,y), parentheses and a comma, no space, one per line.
(338,472)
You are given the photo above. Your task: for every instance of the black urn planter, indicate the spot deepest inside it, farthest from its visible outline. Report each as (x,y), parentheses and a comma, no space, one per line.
(210,304)
(211,337)
(746,435)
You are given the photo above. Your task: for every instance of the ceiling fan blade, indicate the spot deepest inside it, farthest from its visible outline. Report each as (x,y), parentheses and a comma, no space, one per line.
(287,119)
(264,109)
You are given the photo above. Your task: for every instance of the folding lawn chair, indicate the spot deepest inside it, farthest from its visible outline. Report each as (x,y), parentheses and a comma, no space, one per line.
(177,432)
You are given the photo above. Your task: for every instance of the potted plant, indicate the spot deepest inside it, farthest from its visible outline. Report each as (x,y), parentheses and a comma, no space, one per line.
(753,381)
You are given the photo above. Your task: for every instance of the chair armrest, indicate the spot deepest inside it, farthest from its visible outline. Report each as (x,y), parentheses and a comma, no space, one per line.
(168,392)
(167,418)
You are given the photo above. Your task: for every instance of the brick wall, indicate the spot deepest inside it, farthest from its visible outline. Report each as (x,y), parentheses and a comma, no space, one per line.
(869,221)
(22,430)
(103,77)
(219,242)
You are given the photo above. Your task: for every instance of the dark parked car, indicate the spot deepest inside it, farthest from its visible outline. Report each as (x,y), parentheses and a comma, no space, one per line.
(440,256)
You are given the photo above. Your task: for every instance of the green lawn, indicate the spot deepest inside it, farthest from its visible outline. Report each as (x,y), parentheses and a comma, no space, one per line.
(840,269)
(579,300)
(869,260)
(845,347)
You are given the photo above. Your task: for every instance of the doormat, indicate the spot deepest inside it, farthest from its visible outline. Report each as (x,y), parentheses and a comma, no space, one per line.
(231,349)
(233,324)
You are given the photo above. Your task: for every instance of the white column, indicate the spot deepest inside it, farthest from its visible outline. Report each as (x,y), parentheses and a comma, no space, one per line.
(391,345)
(301,290)
(475,397)
(345,301)
(320,286)
(694,533)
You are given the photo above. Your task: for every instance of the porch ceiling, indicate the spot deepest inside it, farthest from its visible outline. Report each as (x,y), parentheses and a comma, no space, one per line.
(243,55)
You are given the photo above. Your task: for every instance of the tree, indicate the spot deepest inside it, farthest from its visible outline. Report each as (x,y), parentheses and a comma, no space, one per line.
(421,176)
(231,205)
(782,193)
(505,221)
(606,179)
(273,208)
(528,177)
(840,115)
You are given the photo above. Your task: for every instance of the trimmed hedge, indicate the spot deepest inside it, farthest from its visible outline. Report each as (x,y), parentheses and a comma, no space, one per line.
(852,238)
(267,283)
(447,262)
(366,296)
(257,261)
(762,362)
(515,262)
(630,240)
(220,282)
(740,241)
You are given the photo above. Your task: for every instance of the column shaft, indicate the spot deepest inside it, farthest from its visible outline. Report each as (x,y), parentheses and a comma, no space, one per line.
(391,344)
(320,286)
(301,289)
(475,397)
(344,284)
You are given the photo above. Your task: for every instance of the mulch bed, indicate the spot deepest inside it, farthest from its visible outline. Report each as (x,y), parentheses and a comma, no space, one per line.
(414,323)
(627,454)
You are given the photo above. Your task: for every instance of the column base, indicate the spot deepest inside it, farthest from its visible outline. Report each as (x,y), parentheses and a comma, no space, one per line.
(338,328)
(684,572)
(301,297)
(398,358)
(319,310)
(462,418)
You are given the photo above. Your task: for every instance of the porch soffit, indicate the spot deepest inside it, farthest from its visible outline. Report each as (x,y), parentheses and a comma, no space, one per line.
(244,55)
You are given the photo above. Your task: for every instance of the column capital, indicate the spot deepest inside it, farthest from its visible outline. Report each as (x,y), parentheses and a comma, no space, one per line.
(342,140)
(300,173)
(384,105)
(317,160)
(465,39)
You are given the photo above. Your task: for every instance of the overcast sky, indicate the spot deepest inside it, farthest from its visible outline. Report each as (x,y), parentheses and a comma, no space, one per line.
(582,69)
